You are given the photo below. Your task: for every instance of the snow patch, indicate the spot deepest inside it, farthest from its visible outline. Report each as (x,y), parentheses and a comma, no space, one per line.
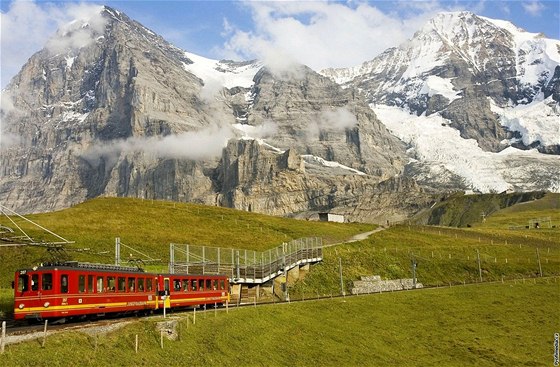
(437,85)
(538,121)
(69,62)
(225,74)
(74,116)
(433,142)
(312,159)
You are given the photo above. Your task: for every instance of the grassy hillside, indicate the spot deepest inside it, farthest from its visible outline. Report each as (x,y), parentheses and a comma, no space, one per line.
(447,255)
(509,324)
(150,226)
(467,210)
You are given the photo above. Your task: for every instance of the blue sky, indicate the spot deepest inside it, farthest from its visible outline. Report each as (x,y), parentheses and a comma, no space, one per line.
(307,31)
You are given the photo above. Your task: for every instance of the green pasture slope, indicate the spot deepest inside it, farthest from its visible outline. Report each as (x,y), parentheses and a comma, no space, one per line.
(447,255)
(461,210)
(509,324)
(150,226)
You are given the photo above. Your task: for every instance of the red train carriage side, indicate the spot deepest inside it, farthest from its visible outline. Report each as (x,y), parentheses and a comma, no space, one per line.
(78,289)
(182,290)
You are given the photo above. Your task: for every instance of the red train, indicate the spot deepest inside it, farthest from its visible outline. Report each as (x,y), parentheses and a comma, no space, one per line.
(73,289)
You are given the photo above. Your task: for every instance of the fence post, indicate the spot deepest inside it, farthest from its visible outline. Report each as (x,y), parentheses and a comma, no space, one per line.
(479,268)
(45,334)
(3,342)
(539,259)
(136,344)
(341,282)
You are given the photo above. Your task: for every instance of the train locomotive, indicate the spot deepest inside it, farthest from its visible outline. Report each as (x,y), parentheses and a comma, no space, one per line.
(78,290)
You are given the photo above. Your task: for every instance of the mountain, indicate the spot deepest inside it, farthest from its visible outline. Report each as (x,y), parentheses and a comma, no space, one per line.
(109,108)
(473,98)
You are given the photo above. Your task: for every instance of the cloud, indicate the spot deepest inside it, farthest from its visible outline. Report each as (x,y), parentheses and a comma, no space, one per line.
(27,26)
(266,130)
(211,90)
(88,22)
(304,32)
(331,120)
(194,145)
(7,139)
(534,8)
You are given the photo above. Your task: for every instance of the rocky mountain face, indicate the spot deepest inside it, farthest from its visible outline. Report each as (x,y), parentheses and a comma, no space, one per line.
(475,100)
(110,108)
(461,66)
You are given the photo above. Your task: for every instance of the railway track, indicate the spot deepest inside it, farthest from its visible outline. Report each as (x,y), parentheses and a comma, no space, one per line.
(17,331)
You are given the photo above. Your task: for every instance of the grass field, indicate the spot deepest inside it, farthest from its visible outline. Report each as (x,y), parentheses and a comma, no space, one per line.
(150,226)
(444,256)
(467,210)
(510,324)
(483,324)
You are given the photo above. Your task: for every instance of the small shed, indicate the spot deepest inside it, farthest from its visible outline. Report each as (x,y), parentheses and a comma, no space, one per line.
(330,217)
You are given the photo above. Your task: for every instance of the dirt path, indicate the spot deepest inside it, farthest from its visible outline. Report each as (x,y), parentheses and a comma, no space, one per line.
(358,237)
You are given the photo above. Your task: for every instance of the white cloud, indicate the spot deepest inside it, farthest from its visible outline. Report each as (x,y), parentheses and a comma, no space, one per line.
(7,139)
(534,8)
(195,145)
(87,24)
(321,34)
(334,119)
(27,26)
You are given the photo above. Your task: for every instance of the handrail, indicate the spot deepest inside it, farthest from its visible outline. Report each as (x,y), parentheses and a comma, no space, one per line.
(245,266)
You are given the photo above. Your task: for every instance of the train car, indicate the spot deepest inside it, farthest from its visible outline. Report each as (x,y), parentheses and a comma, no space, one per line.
(72,290)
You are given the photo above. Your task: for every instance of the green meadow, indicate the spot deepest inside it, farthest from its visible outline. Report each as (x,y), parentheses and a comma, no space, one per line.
(150,226)
(509,324)
(491,299)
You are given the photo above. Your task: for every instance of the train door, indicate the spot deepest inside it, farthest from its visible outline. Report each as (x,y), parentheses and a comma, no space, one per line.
(167,299)
(46,284)
(22,284)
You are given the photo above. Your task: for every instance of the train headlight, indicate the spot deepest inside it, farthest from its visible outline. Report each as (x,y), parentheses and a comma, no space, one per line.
(21,306)
(46,304)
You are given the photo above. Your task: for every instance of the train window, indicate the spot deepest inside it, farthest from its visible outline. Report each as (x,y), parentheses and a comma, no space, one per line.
(149,286)
(99,284)
(141,284)
(185,285)
(46,281)
(177,284)
(201,284)
(64,283)
(222,284)
(82,283)
(208,284)
(121,284)
(111,284)
(34,282)
(23,279)
(90,283)
(193,285)
(131,284)
(215,284)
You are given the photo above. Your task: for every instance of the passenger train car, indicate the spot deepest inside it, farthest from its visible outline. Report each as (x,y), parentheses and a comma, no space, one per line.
(73,289)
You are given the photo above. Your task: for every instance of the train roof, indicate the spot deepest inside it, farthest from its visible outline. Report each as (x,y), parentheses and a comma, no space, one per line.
(75,265)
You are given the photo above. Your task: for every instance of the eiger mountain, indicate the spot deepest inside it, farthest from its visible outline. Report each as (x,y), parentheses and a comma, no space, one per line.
(109,108)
